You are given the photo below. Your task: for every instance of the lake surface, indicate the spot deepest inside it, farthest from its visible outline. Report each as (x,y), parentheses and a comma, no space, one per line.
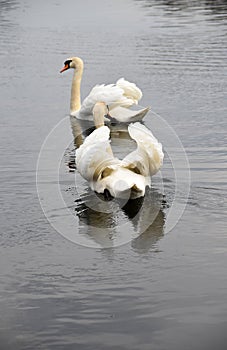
(165,288)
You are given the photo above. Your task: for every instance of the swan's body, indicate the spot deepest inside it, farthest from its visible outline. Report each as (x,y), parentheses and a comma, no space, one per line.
(121,178)
(119,97)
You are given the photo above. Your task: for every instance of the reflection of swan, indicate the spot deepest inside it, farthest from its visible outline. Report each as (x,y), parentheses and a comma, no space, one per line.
(117,96)
(107,223)
(151,235)
(94,221)
(121,178)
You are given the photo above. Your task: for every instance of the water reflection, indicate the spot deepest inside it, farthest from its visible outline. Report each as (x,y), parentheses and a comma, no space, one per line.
(150,236)
(143,216)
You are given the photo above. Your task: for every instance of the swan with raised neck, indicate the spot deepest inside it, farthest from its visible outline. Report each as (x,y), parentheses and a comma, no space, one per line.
(77,64)
(118,97)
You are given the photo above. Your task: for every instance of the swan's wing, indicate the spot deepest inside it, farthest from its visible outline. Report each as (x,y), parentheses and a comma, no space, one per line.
(101,134)
(125,115)
(131,91)
(148,157)
(110,94)
(113,95)
(94,154)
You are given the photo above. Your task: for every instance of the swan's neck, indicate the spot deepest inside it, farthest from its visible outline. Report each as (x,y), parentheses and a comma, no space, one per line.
(98,119)
(99,111)
(75,102)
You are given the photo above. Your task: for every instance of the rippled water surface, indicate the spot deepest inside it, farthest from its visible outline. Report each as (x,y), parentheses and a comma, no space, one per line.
(160,290)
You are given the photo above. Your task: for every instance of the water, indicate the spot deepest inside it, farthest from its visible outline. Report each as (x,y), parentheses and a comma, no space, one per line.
(159,291)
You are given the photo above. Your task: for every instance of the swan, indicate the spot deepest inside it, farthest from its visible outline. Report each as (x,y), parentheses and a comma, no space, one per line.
(105,173)
(119,97)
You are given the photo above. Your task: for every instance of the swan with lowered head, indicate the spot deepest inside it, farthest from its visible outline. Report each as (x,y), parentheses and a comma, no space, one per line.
(119,97)
(125,178)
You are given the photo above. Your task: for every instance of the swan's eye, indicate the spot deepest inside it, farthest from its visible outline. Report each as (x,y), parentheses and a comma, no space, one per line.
(67,63)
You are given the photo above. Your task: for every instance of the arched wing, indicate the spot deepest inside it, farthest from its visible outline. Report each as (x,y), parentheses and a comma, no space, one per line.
(93,155)
(148,157)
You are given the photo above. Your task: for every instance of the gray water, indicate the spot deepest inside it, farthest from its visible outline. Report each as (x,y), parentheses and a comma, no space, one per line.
(161,290)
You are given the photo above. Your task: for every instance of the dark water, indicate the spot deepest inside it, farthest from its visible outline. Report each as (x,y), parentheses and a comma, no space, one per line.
(159,291)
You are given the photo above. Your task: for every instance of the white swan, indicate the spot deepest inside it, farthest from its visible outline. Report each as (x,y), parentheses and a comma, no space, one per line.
(121,178)
(119,97)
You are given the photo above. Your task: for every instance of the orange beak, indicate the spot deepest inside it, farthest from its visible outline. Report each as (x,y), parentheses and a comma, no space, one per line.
(64,68)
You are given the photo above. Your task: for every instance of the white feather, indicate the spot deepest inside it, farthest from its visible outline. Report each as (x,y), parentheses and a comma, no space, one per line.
(125,115)
(101,93)
(148,157)
(94,152)
(113,96)
(131,91)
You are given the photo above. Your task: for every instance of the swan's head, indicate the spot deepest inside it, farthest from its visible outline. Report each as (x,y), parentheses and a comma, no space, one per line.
(73,62)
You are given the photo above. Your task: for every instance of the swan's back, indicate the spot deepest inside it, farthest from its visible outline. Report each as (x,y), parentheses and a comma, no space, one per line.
(100,93)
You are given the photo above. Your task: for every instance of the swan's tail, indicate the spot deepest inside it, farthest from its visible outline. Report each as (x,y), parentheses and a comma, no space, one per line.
(123,183)
(125,115)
